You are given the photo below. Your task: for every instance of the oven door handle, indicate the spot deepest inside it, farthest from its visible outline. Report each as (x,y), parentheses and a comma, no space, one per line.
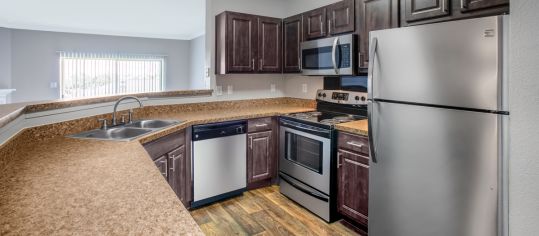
(303,128)
(310,193)
(334,55)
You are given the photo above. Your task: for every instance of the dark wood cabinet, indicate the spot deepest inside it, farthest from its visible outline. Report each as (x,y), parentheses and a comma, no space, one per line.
(473,5)
(247,44)
(374,15)
(415,12)
(260,156)
(353,177)
(293,36)
(170,155)
(269,43)
(341,17)
(425,9)
(314,24)
(261,152)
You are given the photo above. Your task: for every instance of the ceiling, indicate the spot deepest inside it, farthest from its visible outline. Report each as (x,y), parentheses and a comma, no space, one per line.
(169,19)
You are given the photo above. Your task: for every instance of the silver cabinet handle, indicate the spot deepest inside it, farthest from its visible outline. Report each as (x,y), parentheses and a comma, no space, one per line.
(322,32)
(464,4)
(261,125)
(334,55)
(329,26)
(251,142)
(352,143)
(253,64)
(166,168)
(444,8)
(173,159)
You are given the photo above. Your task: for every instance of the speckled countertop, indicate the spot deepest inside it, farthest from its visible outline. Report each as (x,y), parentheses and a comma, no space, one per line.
(87,187)
(360,127)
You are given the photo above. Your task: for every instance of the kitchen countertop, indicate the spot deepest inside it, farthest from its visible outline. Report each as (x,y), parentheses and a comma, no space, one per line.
(360,127)
(69,186)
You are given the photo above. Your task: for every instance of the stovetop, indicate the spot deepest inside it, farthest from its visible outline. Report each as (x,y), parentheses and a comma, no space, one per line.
(334,107)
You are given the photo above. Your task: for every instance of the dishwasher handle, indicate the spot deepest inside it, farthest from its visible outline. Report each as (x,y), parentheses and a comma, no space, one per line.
(219,130)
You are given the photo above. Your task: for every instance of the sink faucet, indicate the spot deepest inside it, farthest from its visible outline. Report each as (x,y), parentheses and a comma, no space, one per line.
(130,110)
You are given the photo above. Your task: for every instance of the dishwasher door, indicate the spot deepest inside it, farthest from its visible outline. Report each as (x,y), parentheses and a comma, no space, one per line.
(219,168)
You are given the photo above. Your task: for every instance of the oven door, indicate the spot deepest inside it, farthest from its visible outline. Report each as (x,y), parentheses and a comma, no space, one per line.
(306,156)
(328,56)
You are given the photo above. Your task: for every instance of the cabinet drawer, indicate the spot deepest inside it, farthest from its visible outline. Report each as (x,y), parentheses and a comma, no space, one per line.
(257,125)
(162,146)
(354,143)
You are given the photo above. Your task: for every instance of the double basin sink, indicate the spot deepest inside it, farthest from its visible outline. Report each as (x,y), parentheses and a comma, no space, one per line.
(126,132)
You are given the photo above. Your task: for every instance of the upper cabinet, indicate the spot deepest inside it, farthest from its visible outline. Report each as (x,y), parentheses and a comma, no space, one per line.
(292,38)
(414,12)
(341,17)
(374,15)
(247,43)
(314,24)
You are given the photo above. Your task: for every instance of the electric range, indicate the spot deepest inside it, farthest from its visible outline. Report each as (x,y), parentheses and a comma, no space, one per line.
(307,157)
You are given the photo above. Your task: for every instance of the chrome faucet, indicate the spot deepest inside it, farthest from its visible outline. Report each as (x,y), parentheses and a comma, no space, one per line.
(130,110)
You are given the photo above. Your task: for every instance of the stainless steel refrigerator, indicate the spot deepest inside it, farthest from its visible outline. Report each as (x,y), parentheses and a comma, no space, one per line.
(438,120)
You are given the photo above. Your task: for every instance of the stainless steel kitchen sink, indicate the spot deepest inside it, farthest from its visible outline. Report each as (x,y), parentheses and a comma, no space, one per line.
(152,124)
(126,132)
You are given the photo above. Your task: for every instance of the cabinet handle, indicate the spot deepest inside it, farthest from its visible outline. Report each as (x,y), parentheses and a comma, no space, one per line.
(352,143)
(464,4)
(339,160)
(251,143)
(173,158)
(253,64)
(329,26)
(166,168)
(261,125)
(322,27)
(444,9)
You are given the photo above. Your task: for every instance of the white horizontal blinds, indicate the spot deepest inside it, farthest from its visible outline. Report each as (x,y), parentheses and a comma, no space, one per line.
(100,74)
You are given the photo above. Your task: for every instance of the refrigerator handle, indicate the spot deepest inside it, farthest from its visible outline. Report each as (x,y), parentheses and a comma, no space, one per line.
(372,57)
(371,136)
(334,56)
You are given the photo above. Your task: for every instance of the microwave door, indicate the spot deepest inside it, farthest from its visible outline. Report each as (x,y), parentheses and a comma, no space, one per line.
(328,56)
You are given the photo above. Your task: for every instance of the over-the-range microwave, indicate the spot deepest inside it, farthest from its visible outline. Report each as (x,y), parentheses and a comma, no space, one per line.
(330,56)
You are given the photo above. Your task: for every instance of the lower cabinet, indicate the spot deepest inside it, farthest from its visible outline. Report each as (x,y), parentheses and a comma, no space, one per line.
(353,178)
(261,152)
(170,156)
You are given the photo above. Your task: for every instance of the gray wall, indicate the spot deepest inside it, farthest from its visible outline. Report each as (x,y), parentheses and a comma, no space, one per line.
(5,58)
(197,63)
(524,108)
(35,58)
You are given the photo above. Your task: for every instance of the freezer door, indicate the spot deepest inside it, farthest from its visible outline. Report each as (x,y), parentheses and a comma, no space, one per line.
(435,172)
(458,63)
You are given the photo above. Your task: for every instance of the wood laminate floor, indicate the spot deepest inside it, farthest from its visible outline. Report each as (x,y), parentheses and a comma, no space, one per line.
(263,212)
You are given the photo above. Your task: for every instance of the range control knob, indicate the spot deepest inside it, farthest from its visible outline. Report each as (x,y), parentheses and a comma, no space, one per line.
(363,98)
(319,94)
(324,95)
(357,98)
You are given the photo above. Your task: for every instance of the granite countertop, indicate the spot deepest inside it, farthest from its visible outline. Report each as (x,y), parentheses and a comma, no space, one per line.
(360,127)
(70,186)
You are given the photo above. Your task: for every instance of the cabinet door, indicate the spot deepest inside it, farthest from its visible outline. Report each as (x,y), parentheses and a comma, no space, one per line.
(314,24)
(177,172)
(242,45)
(376,15)
(293,34)
(353,186)
(162,165)
(260,156)
(341,17)
(472,5)
(425,9)
(269,42)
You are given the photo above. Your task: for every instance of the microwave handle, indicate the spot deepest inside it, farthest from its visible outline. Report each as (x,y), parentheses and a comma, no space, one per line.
(334,55)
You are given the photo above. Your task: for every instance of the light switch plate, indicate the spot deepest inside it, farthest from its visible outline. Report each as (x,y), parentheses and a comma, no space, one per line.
(272,88)
(218,90)
(230,89)
(304,88)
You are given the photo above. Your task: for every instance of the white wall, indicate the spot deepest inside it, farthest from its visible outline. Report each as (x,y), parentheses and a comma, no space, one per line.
(197,47)
(524,128)
(35,59)
(5,58)
(294,7)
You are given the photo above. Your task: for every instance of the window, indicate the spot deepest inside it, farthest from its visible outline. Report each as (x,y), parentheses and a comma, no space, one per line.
(101,74)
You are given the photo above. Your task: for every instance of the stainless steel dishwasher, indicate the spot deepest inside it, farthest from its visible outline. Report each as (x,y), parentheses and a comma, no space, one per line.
(219,161)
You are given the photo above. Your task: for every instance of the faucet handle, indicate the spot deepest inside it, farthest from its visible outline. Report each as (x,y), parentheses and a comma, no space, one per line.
(123,118)
(130,114)
(103,123)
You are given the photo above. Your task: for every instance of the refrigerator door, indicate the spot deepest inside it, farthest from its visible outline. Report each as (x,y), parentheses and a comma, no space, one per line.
(457,64)
(435,172)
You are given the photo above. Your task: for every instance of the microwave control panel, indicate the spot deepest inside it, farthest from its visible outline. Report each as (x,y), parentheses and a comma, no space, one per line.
(344,50)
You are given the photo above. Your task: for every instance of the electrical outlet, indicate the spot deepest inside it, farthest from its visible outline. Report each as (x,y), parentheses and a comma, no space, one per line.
(229,89)
(54,85)
(218,90)
(272,88)
(207,72)
(304,88)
